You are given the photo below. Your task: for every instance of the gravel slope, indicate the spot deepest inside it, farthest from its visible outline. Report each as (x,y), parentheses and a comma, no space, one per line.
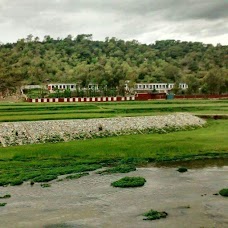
(20,133)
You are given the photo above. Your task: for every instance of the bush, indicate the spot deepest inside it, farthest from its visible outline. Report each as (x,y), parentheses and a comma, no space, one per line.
(182,169)
(129,182)
(224,192)
(118,169)
(153,215)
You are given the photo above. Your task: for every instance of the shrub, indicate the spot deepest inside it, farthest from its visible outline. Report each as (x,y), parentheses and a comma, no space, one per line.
(2,204)
(182,169)
(5,196)
(129,182)
(118,169)
(224,192)
(153,215)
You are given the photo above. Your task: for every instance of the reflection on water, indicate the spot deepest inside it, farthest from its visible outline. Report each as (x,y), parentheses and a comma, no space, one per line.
(195,164)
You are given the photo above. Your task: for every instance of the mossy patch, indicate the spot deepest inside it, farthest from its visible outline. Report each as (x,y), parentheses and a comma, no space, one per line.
(224,192)
(153,215)
(118,169)
(2,204)
(5,196)
(45,185)
(182,170)
(129,182)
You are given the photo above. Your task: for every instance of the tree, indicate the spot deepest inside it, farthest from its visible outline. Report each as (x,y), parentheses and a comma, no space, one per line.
(214,81)
(193,84)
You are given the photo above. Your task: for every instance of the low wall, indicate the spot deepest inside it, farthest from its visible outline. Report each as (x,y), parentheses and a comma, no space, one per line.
(149,96)
(202,96)
(138,97)
(81,99)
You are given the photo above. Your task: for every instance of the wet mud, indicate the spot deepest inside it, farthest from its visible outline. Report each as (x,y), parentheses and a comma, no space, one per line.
(90,201)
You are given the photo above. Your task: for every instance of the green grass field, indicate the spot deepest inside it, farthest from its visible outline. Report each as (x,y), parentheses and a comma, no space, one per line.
(53,111)
(47,161)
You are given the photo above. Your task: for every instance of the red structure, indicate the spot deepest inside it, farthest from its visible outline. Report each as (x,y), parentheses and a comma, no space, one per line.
(149,96)
(202,96)
(137,97)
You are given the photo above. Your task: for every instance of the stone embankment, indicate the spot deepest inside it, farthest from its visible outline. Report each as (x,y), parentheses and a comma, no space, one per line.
(20,133)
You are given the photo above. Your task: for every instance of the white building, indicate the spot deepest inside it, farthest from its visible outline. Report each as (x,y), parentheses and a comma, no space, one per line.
(62,86)
(158,87)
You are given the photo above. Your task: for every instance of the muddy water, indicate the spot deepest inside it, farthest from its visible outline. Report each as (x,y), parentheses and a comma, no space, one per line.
(92,202)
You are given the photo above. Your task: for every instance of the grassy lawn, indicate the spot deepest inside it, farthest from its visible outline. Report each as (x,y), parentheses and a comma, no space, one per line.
(53,111)
(47,161)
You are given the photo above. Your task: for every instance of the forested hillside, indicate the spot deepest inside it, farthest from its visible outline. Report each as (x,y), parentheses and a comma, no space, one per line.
(111,62)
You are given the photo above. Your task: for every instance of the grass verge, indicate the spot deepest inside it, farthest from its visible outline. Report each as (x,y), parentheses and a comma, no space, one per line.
(118,169)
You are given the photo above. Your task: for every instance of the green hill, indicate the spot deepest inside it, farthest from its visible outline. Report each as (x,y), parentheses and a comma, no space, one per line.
(111,62)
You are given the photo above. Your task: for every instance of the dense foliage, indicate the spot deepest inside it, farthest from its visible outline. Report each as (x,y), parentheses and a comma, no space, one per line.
(111,62)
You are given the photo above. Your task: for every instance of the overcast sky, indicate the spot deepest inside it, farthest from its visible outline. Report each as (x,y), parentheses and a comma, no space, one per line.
(144,20)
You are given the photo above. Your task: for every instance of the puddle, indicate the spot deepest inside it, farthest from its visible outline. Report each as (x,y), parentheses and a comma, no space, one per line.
(194,164)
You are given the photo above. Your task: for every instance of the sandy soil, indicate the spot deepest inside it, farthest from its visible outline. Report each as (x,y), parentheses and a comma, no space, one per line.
(92,202)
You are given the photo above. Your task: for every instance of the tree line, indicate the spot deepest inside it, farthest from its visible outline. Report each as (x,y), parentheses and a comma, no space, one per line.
(110,63)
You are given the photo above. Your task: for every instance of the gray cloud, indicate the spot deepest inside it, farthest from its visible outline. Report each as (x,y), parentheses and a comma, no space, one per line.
(145,20)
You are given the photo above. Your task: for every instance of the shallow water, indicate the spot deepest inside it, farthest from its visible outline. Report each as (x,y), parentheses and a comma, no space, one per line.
(194,164)
(91,202)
